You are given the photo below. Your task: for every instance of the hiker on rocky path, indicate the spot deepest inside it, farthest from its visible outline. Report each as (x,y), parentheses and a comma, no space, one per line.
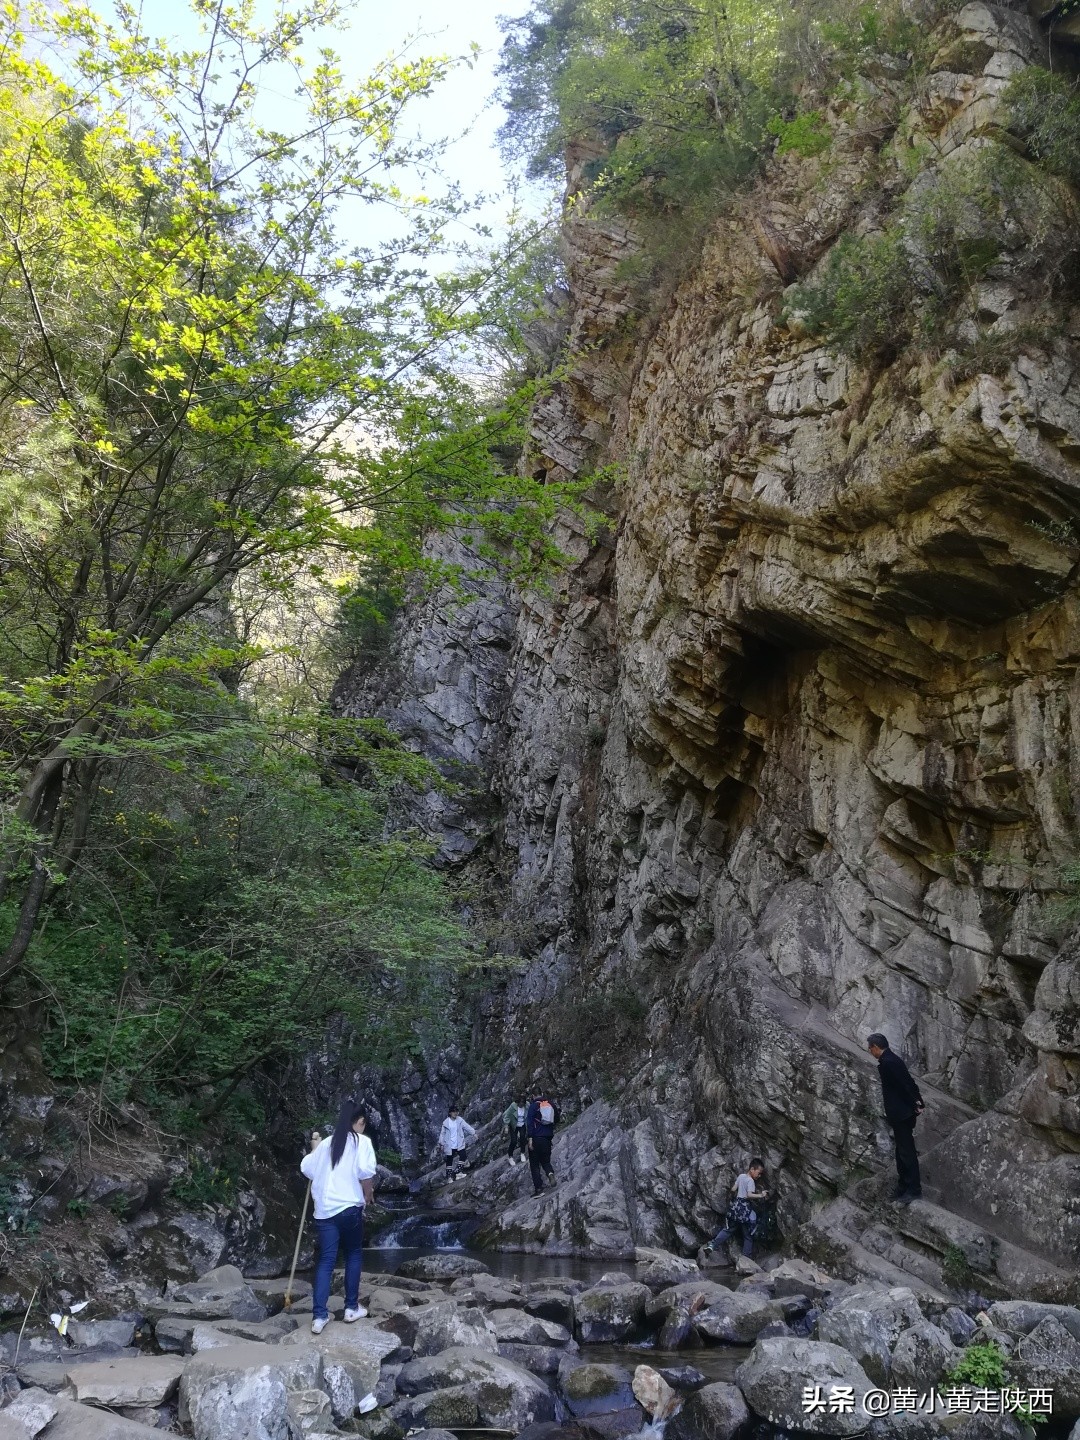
(540,1121)
(454,1137)
(903,1106)
(516,1134)
(741,1218)
(341,1169)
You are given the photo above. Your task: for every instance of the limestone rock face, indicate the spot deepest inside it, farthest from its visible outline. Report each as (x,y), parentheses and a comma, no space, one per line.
(790,752)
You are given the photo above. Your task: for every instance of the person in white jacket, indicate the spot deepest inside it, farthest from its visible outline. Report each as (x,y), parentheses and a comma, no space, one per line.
(453,1138)
(341,1169)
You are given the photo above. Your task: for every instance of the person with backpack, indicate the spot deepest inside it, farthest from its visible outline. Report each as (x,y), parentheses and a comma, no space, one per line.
(453,1138)
(742,1218)
(540,1120)
(516,1134)
(341,1169)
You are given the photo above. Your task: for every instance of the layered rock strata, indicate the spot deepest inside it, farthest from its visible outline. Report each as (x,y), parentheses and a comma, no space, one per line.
(790,756)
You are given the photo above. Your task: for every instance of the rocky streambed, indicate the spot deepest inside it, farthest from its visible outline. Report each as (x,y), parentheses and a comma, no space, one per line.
(449,1349)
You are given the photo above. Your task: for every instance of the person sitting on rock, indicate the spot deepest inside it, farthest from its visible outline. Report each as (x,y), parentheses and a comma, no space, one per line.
(741,1218)
(454,1136)
(516,1134)
(341,1169)
(540,1121)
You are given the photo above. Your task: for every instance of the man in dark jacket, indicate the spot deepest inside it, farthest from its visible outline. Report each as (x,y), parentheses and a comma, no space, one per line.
(903,1106)
(540,1120)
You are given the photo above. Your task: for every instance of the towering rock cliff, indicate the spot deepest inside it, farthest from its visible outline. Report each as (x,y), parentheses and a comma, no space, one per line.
(791,755)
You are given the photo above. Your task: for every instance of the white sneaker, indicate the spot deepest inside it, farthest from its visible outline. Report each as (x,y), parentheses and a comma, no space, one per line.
(318,1326)
(358,1314)
(366,1405)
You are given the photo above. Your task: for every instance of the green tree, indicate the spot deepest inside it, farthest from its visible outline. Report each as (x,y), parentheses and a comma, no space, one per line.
(201,384)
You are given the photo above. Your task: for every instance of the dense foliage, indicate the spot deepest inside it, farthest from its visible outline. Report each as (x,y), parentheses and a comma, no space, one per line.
(212,407)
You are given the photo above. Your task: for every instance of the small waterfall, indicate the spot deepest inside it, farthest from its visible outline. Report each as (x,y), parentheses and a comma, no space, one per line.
(424,1232)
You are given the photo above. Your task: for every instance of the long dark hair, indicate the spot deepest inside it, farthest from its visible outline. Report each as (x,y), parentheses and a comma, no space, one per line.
(348,1115)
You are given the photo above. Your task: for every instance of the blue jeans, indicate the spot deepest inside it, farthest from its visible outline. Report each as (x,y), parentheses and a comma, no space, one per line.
(347,1230)
(748,1232)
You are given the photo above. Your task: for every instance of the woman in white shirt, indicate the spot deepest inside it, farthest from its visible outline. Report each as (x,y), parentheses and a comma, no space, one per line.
(341,1169)
(453,1138)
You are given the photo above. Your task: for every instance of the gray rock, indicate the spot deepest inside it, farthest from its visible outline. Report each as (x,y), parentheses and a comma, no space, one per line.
(1020,1317)
(52,1375)
(453,1405)
(958,1325)
(775,1376)
(33,1408)
(736,1318)
(92,1333)
(241,1392)
(554,1305)
(1049,1356)
(490,1291)
(922,1355)
(714,1412)
(539,1359)
(149,1380)
(685,1378)
(508,1396)
(309,1411)
(660,1268)
(10,1429)
(442,1326)
(219,1294)
(360,1348)
(590,1389)
(84,1422)
(444,1266)
(271,1293)
(867,1322)
(610,1312)
(517,1327)
(683,1295)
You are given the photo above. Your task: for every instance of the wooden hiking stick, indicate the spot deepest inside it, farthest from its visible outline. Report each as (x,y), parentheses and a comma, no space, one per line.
(299,1234)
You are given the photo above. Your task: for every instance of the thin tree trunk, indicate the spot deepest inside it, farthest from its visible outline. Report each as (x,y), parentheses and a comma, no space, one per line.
(35,891)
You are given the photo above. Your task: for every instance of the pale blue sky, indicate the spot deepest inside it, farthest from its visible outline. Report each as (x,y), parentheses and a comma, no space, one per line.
(461,108)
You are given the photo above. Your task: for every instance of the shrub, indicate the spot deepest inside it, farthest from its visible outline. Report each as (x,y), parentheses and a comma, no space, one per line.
(982,1365)
(955,1270)
(1044,108)
(806,135)
(876,293)
(204,1184)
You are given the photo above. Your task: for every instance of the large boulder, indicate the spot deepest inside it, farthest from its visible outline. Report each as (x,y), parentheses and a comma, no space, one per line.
(33,1409)
(867,1322)
(736,1318)
(223,1287)
(1020,1317)
(922,1356)
(517,1328)
(84,1422)
(359,1349)
(685,1293)
(446,1265)
(660,1268)
(775,1378)
(540,1359)
(454,1405)
(590,1389)
(241,1392)
(714,1412)
(492,1292)
(87,1334)
(557,1305)
(147,1380)
(799,1277)
(611,1312)
(443,1326)
(1048,1357)
(508,1396)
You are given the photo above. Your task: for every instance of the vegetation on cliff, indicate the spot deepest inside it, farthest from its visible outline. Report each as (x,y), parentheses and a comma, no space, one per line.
(212,402)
